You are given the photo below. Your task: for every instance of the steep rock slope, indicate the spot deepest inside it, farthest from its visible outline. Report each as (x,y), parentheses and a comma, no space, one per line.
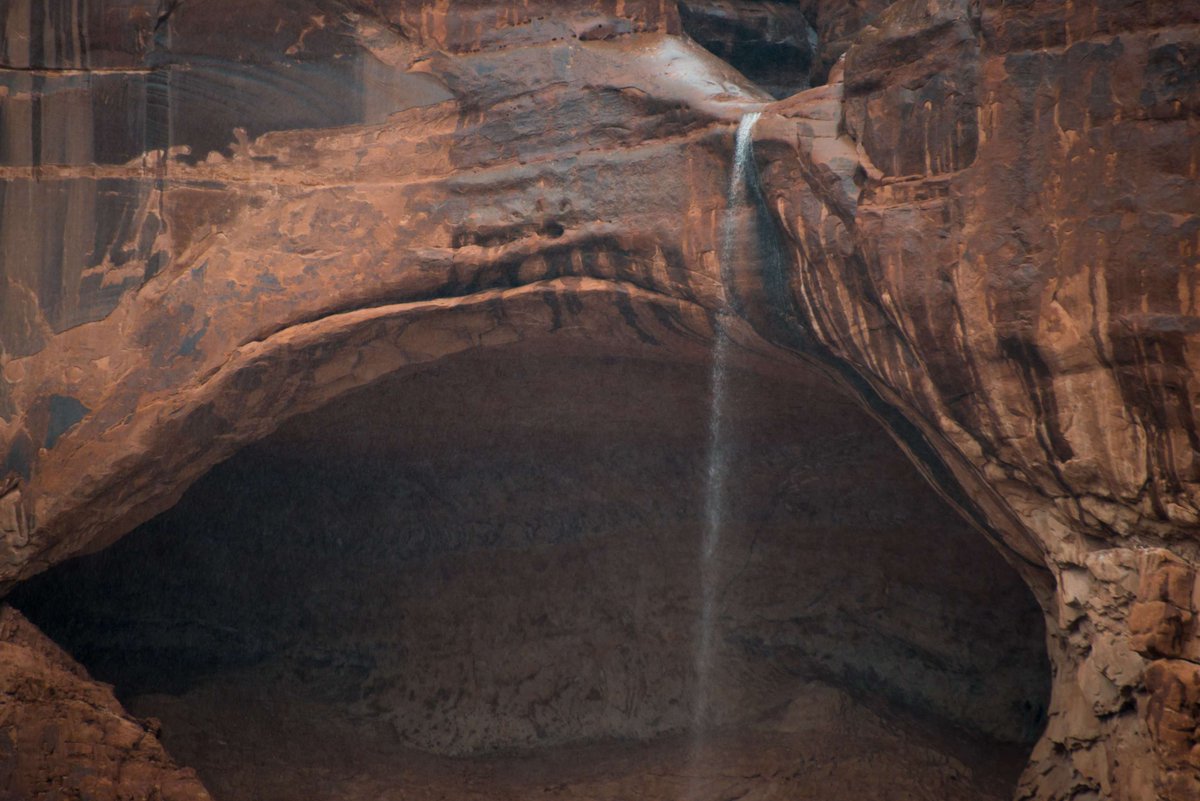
(61,730)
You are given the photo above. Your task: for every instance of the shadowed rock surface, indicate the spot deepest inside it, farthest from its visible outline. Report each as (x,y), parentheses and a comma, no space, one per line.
(501,554)
(63,732)
(983,227)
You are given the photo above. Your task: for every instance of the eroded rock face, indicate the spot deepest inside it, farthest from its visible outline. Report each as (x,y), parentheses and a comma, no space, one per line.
(984,226)
(784,46)
(502,553)
(1013,170)
(772,44)
(64,732)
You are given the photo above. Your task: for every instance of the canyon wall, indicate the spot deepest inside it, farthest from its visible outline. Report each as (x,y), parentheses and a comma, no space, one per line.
(993,221)
(981,221)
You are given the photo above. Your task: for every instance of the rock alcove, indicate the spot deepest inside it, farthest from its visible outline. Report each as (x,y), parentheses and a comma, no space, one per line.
(974,219)
(483,580)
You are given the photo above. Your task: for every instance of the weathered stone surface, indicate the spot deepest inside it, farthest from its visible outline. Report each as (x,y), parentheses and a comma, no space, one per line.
(63,735)
(1172,712)
(483,243)
(356,562)
(1162,619)
(985,225)
(770,43)
(1014,266)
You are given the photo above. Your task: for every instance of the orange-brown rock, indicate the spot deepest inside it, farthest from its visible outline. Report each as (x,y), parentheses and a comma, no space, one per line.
(1162,619)
(1172,712)
(63,735)
(1009,255)
(984,226)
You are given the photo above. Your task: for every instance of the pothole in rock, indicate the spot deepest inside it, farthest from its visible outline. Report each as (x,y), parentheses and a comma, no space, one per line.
(482,582)
(784,46)
(772,43)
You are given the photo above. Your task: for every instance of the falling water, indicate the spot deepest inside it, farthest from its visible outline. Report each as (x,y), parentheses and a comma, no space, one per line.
(718,461)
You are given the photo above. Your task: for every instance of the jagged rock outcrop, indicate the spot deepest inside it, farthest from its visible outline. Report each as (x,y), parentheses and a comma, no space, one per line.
(984,225)
(62,732)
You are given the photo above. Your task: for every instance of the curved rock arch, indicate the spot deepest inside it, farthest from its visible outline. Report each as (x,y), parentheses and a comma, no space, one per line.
(1108,507)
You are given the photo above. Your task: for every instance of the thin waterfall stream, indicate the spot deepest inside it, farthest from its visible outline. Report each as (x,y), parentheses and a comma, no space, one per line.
(718,461)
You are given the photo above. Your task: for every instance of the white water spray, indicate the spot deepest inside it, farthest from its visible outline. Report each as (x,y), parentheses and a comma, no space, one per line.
(737,195)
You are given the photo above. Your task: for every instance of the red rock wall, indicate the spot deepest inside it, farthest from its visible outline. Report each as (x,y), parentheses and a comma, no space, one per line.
(1014,263)
(988,221)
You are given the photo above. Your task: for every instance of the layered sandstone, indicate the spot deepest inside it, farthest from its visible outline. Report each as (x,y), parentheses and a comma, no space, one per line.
(983,226)
(1008,200)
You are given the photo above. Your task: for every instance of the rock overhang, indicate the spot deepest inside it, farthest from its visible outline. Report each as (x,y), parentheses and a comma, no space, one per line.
(899,198)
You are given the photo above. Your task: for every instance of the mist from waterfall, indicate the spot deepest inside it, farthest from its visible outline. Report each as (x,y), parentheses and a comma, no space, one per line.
(737,197)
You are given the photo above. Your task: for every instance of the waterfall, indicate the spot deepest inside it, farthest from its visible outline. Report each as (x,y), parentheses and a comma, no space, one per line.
(737,192)
(736,198)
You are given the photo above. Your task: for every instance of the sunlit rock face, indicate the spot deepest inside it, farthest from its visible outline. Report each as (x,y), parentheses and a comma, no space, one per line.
(981,224)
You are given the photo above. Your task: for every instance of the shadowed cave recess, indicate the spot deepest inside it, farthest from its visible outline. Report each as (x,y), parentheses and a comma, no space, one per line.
(483,581)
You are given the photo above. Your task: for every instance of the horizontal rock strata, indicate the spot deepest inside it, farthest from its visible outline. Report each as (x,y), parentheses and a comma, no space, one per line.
(984,225)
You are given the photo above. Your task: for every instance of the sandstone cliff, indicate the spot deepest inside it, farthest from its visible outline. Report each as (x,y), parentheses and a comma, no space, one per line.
(981,221)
